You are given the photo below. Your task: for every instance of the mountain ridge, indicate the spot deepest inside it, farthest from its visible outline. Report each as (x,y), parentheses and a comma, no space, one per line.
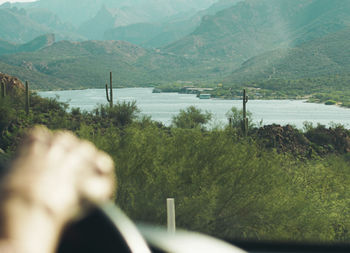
(77,12)
(155,35)
(86,64)
(253,27)
(31,46)
(19,26)
(320,57)
(250,39)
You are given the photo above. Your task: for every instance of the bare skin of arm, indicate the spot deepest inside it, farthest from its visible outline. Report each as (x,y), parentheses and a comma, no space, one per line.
(55,178)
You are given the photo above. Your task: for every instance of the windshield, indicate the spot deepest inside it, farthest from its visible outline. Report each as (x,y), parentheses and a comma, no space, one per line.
(236,109)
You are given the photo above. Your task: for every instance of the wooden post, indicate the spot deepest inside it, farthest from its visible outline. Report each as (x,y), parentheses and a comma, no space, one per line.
(171,215)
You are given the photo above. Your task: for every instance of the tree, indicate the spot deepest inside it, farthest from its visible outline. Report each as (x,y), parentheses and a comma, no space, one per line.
(191,117)
(120,115)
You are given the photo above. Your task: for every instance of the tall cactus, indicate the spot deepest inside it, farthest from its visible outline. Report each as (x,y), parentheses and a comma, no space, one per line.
(110,96)
(245,120)
(27,103)
(3,89)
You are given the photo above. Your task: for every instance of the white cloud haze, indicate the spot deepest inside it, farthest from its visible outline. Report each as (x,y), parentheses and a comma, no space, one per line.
(12,1)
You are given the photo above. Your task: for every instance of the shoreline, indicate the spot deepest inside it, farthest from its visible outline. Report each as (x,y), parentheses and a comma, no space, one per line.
(305,99)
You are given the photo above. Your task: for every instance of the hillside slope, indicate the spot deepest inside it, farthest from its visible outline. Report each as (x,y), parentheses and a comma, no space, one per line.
(17,27)
(253,27)
(34,45)
(159,34)
(21,26)
(36,79)
(86,64)
(325,56)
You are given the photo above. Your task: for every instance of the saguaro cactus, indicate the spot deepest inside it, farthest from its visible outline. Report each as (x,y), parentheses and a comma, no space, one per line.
(27,103)
(3,89)
(245,120)
(110,96)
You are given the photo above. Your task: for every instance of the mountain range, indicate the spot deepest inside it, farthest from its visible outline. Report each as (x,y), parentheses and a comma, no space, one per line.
(253,27)
(228,40)
(89,19)
(68,65)
(24,25)
(159,34)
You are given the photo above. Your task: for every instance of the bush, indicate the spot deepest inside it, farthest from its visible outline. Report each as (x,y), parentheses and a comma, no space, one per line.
(330,102)
(191,117)
(120,115)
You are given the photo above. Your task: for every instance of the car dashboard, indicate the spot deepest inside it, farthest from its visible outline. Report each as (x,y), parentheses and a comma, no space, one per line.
(108,229)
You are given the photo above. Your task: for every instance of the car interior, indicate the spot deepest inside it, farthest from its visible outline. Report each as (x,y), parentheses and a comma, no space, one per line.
(107,229)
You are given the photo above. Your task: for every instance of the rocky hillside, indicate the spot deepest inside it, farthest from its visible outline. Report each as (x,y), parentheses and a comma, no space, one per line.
(34,45)
(253,27)
(12,84)
(80,13)
(87,64)
(21,26)
(325,56)
(154,35)
(17,27)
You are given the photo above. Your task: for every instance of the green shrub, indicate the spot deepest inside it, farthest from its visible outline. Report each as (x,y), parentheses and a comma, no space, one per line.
(191,117)
(330,102)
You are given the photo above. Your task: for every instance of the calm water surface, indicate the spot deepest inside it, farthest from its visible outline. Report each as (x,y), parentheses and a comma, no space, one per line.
(163,106)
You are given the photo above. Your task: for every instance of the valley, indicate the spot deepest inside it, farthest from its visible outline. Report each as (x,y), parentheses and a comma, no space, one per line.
(285,49)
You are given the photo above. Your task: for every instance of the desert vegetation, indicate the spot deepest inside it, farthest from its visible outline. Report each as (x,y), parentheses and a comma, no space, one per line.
(278,183)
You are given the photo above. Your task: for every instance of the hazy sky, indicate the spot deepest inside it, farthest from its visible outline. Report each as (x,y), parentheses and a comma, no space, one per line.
(12,1)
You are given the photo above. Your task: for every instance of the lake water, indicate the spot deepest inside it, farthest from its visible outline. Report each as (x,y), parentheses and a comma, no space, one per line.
(163,106)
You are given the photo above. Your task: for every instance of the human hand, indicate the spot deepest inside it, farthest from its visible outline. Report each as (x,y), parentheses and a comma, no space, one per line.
(54,179)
